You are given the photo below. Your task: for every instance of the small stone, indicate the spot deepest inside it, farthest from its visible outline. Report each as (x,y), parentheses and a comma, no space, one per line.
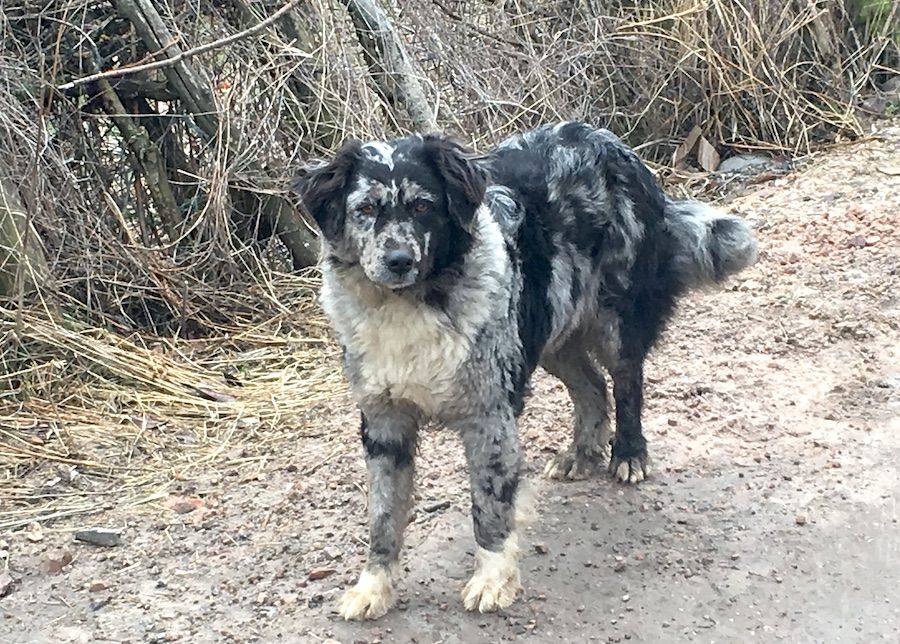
(619,565)
(6,583)
(183,505)
(35,532)
(100,536)
(857,241)
(55,562)
(743,163)
(99,603)
(436,506)
(320,573)
(541,548)
(625,598)
(248,421)
(800,519)
(332,554)
(97,586)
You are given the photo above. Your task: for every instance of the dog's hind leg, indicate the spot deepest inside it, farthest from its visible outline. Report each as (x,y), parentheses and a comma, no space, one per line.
(389,440)
(492,450)
(589,450)
(629,462)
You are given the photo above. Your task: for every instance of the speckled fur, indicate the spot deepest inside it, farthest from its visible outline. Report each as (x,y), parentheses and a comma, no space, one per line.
(558,248)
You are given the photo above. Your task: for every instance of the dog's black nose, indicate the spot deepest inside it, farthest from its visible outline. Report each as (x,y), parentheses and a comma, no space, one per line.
(399,261)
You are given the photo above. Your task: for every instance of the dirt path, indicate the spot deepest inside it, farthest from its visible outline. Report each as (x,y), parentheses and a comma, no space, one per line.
(773,410)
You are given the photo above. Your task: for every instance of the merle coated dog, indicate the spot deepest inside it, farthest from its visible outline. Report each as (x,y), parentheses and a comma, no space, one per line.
(449,277)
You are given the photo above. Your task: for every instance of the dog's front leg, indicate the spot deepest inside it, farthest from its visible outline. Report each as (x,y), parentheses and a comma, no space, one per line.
(389,440)
(492,450)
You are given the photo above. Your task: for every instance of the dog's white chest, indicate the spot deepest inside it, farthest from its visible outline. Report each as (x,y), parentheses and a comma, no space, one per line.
(405,350)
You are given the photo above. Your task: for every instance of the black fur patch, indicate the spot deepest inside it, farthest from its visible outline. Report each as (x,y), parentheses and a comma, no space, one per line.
(399,450)
(321,187)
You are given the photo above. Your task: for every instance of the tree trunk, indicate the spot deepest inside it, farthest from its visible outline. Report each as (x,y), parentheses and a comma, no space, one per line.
(22,261)
(147,159)
(393,72)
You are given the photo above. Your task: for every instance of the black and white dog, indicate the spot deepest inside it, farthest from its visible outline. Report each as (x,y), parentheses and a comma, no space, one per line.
(449,278)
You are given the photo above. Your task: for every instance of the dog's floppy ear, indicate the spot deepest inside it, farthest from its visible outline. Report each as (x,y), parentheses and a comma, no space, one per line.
(321,186)
(465,181)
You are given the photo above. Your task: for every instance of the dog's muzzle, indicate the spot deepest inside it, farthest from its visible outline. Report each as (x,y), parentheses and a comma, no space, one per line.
(399,262)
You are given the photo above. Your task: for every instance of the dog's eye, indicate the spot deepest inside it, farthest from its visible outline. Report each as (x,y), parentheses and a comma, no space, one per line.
(366,209)
(421,207)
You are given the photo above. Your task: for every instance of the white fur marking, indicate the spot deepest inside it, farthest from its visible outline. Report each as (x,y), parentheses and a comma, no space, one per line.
(370,598)
(412,191)
(380,152)
(495,583)
(631,471)
(407,349)
(364,190)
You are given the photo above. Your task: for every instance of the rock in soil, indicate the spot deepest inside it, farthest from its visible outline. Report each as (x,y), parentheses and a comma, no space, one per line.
(320,573)
(55,562)
(183,505)
(6,583)
(99,536)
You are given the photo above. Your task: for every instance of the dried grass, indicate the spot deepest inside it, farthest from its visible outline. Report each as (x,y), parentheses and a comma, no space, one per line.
(98,420)
(157,354)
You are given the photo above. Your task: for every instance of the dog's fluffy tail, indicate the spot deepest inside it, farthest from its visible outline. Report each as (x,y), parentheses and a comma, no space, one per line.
(709,244)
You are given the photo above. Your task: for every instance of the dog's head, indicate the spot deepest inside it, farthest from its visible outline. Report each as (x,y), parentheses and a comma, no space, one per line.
(399,209)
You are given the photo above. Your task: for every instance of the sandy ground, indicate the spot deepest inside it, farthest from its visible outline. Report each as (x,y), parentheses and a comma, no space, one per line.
(773,411)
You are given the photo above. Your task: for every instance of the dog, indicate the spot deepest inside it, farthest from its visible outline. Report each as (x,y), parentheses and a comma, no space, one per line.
(449,277)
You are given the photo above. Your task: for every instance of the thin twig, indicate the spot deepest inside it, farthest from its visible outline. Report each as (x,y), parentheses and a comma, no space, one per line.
(217,44)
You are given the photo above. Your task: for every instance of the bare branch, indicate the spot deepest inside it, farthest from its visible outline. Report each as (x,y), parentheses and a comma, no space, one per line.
(394,73)
(182,55)
(146,158)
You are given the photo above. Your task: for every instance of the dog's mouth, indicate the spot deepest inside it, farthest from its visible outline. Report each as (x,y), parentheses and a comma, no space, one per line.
(396,284)
(390,280)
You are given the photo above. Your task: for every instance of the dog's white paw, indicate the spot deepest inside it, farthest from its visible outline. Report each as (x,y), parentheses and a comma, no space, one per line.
(630,470)
(370,598)
(567,466)
(495,583)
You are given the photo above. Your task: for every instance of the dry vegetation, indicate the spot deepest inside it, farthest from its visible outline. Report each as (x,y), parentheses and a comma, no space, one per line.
(158,311)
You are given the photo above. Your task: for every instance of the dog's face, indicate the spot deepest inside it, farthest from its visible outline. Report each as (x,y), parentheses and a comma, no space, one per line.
(396,208)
